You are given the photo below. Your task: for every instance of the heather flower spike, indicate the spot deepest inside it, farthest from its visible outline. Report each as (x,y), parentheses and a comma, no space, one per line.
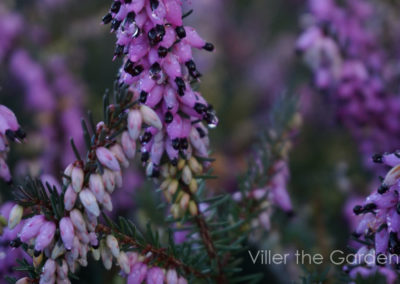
(380,217)
(158,50)
(156,113)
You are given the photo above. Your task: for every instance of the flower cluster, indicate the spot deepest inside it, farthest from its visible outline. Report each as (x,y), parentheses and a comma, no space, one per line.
(159,69)
(140,272)
(379,226)
(8,254)
(9,131)
(159,110)
(342,49)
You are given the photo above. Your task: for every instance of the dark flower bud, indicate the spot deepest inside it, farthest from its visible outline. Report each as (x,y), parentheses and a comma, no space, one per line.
(174,162)
(162,51)
(168,117)
(145,156)
(358,209)
(20,133)
(146,137)
(115,7)
(180,31)
(119,49)
(15,243)
(184,143)
(160,30)
(10,135)
(199,108)
(181,85)
(201,132)
(370,207)
(383,188)
(175,143)
(128,67)
(137,70)
(107,18)
(155,70)
(154,4)
(377,158)
(156,34)
(130,17)
(191,65)
(208,46)
(143,97)
(115,24)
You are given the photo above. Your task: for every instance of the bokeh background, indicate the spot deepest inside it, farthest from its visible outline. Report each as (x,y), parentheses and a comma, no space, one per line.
(58,64)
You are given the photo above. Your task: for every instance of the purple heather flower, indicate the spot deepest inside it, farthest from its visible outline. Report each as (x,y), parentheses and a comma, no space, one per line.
(343,52)
(155,275)
(67,232)
(107,159)
(380,217)
(45,236)
(138,273)
(31,228)
(157,68)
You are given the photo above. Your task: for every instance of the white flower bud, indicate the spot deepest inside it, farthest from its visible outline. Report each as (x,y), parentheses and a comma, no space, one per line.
(89,202)
(96,185)
(134,123)
(173,186)
(69,198)
(106,256)
(119,154)
(107,203)
(118,178)
(24,280)
(150,117)
(193,186)
(195,166)
(95,254)
(109,180)
(392,176)
(58,250)
(15,216)
(77,219)
(112,243)
(67,172)
(193,208)
(62,270)
(186,175)
(123,262)
(184,202)
(128,145)
(77,177)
